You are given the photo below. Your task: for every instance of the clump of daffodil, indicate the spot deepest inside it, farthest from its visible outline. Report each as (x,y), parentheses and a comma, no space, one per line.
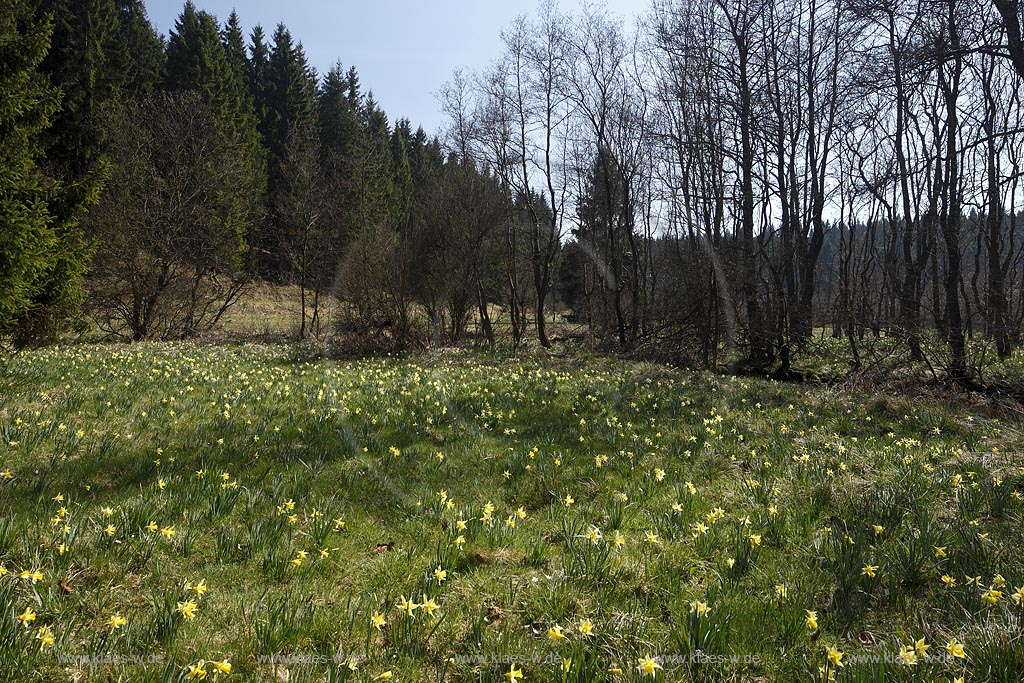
(188,609)
(33,575)
(197,671)
(991,596)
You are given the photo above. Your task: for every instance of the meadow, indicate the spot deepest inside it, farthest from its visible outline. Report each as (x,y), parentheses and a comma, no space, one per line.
(243,512)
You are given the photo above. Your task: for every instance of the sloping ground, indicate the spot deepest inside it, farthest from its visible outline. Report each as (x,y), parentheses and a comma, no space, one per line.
(174,510)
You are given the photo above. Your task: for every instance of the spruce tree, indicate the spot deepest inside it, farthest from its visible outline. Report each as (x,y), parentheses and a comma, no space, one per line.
(196,60)
(256,77)
(42,255)
(234,46)
(199,60)
(80,61)
(378,174)
(291,89)
(402,187)
(137,54)
(289,129)
(342,140)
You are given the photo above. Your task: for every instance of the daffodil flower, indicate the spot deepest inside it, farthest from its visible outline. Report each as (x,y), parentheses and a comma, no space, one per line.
(649,666)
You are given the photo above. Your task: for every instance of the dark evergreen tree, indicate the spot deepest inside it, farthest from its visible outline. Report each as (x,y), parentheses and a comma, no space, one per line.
(80,62)
(42,255)
(256,77)
(234,46)
(342,140)
(402,192)
(289,129)
(378,173)
(137,55)
(198,60)
(338,126)
(352,83)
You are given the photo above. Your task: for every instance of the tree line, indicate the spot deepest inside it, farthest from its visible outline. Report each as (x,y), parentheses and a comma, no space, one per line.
(717,184)
(734,175)
(149,179)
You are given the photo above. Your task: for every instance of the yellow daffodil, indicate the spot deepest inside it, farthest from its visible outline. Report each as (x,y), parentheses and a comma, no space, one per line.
(197,671)
(45,635)
(408,606)
(648,666)
(812,620)
(188,609)
(955,649)
(429,606)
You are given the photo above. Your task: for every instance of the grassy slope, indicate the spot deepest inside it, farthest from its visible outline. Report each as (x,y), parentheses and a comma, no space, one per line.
(287,446)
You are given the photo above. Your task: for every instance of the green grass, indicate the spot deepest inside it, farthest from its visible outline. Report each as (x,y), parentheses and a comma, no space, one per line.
(595,495)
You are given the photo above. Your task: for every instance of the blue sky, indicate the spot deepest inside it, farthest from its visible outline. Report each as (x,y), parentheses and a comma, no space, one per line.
(404,50)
